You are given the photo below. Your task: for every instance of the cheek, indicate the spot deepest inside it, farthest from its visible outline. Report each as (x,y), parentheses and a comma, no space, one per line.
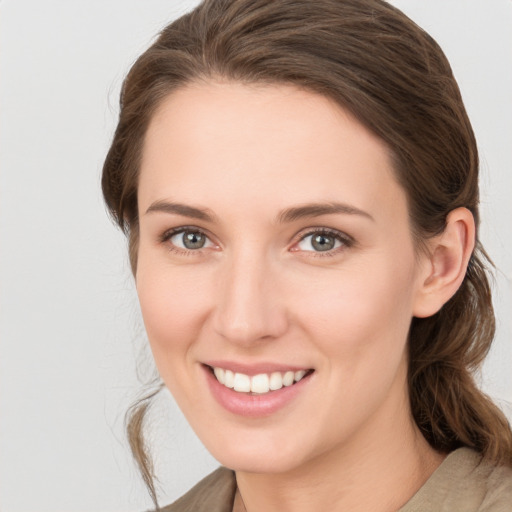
(360,324)
(172,305)
(360,314)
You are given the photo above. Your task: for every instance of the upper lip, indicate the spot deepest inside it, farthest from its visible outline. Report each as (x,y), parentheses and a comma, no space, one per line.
(255,368)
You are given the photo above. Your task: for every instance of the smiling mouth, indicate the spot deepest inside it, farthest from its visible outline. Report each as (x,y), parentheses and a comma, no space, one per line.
(259,384)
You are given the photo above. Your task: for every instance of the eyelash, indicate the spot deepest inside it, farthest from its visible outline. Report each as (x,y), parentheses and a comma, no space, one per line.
(346,241)
(165,237)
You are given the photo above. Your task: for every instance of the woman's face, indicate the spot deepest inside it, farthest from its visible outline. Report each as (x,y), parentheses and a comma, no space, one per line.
(274,245)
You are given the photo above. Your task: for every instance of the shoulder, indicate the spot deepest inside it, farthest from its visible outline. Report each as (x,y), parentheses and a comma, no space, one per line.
(466,483)
(214,493)
(498,489)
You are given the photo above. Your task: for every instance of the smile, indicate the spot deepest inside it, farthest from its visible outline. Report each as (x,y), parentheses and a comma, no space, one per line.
(258,390)
(261,383)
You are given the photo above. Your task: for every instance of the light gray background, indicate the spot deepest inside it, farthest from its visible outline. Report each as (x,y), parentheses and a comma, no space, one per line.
(69,327)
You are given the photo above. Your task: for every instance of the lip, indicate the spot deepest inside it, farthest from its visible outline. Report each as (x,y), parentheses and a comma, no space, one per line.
(249,405)
(254,369)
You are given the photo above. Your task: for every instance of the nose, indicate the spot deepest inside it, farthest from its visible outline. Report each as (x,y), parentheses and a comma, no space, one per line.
(250,306)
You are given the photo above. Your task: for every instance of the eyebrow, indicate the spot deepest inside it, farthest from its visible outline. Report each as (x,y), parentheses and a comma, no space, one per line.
(182,209)
(291,214)
(318,209)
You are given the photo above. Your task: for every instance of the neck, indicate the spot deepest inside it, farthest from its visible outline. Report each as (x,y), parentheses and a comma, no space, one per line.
(379,470)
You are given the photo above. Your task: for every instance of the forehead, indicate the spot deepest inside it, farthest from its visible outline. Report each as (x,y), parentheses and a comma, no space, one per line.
(210,142)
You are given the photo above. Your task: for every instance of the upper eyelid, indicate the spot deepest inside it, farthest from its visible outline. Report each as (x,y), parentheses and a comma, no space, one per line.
(175,231)
(302,233)
(330,231)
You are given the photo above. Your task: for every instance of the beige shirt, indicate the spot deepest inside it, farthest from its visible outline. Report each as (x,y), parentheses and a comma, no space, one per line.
(460,484)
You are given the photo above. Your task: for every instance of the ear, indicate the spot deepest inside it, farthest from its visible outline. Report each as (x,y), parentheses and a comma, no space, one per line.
(444,267)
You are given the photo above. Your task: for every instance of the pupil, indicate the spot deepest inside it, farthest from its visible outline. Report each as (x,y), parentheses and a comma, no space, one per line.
(323,242)
(192,240)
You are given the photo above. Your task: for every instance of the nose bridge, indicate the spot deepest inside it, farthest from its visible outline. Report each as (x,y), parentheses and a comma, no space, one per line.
(248,307)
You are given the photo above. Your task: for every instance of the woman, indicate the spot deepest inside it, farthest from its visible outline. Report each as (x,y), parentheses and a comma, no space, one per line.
(299,184)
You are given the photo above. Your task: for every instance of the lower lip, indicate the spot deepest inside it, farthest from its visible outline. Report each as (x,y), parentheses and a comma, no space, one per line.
(253,406)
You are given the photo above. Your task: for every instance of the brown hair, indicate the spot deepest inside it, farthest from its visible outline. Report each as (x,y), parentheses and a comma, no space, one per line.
(375,62)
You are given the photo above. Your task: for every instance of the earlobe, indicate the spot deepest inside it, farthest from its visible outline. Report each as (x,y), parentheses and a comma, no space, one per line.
(446,264)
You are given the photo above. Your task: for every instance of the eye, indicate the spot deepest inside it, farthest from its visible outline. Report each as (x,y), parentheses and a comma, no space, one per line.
(187,239)
(322,241)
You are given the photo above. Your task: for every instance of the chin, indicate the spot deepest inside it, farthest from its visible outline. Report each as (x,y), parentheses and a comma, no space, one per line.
(261,463)
(268,457)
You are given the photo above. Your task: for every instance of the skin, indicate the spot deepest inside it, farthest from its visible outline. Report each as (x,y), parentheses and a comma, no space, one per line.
(259,292)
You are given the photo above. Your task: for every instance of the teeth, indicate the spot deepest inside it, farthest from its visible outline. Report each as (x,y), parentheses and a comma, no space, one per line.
(220,374)
(299,375)
(276,381)
(288,378)
(260,384)
(242,383)
(229,379)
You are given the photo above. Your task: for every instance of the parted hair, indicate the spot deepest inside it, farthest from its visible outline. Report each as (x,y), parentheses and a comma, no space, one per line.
(393,77)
